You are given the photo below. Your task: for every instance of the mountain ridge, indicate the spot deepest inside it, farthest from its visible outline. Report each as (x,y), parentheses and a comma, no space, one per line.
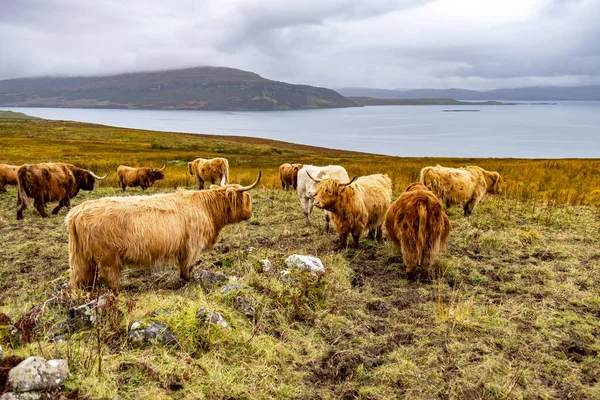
(199,88)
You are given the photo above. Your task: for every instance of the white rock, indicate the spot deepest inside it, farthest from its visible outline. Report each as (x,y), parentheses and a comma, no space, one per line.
(38,374)
(305,263)
(205,315)
(21,396)
(266,265)
(1,354)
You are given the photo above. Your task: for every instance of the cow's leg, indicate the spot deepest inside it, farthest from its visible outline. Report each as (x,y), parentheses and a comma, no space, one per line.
(371,234)
(185,267)
(379,235)
(2,187)
(21,205)
(470,206)
(109,271)
(356,236)
(307,205)
(40,206)
(60,205)
(200,184)
(327,219)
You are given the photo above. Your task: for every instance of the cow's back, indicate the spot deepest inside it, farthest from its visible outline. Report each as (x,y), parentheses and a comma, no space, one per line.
(307,187)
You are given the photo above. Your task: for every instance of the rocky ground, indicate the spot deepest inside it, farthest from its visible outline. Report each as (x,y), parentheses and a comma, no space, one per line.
(512,312)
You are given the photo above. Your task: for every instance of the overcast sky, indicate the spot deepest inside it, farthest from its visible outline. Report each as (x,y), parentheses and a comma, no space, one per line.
(476,44)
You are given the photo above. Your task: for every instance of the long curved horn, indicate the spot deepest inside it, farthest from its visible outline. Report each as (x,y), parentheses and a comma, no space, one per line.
(316,180)
(352,180)
(163,167)
(99,177)
(245,188)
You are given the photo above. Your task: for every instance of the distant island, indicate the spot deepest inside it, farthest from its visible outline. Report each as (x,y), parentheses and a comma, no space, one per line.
(536,94)
(372,101)
(202,88)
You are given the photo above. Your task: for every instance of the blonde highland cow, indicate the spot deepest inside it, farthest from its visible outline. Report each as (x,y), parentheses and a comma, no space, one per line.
(108,233)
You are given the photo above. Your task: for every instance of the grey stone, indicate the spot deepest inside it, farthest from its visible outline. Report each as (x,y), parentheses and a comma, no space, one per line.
(205,315)
(244,305)
(305,263)
(15,336)
(86,315)
(208,279)
(22,396)
(237,286)
(38,374)
(1,353)
(144,333)
(265,265)
(285,276)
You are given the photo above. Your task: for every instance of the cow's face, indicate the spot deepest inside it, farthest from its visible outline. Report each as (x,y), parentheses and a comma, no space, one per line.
(157,175)
(238,199)
(327,194)
(84,179)
(495,182)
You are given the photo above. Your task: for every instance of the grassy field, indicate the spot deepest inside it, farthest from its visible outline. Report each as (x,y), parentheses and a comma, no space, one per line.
(513,311)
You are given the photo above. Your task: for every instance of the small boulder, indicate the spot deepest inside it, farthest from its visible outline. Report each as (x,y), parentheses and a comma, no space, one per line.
(38,374)
(205,315)
(243,304)
(208,279)
(237,286)
(264,265)
(284,275)
(144,333)
(22,396)
(305,263)
(86,315)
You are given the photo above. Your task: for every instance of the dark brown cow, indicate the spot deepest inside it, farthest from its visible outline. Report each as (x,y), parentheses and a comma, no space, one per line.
(46,182)
(143,177)
(417,222)
(8,176)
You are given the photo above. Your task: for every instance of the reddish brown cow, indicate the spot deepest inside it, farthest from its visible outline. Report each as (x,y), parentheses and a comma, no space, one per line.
(8,176)
(417,222)
(288,173)
(46,182)
(143,177)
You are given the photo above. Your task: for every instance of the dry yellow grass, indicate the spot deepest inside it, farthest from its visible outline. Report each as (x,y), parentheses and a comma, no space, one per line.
(103,148)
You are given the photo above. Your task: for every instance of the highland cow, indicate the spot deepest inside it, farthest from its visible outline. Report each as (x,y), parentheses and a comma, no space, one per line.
(108,233)
(465,186)
(47,182)
(307,187)
(288,173)
(417,222)
(355,205)
(8,176)
(213,171)
(143,177)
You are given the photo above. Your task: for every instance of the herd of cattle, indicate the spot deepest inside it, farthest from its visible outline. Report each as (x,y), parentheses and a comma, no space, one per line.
(107,233)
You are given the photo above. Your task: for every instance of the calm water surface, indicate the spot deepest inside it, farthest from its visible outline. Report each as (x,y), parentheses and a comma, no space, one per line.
(567,129)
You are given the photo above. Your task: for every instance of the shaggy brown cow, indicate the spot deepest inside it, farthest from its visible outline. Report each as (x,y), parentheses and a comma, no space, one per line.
(8,176)
(465,186)
(214,170)
(417,222)
(46,182)
(144,177)
(107,233)
(288,173)
(355,205)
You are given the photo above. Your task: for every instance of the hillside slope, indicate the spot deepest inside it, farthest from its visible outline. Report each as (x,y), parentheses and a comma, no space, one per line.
(202,88)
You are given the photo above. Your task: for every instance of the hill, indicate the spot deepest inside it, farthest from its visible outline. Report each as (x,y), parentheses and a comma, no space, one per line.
(549,93)
(202,88)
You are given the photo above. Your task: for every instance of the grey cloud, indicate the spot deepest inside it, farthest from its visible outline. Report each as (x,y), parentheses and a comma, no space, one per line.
(333,43)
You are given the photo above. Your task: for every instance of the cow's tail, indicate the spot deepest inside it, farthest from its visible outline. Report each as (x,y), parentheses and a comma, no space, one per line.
(22,199)
(81,267)
(422,232)
(225,173)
